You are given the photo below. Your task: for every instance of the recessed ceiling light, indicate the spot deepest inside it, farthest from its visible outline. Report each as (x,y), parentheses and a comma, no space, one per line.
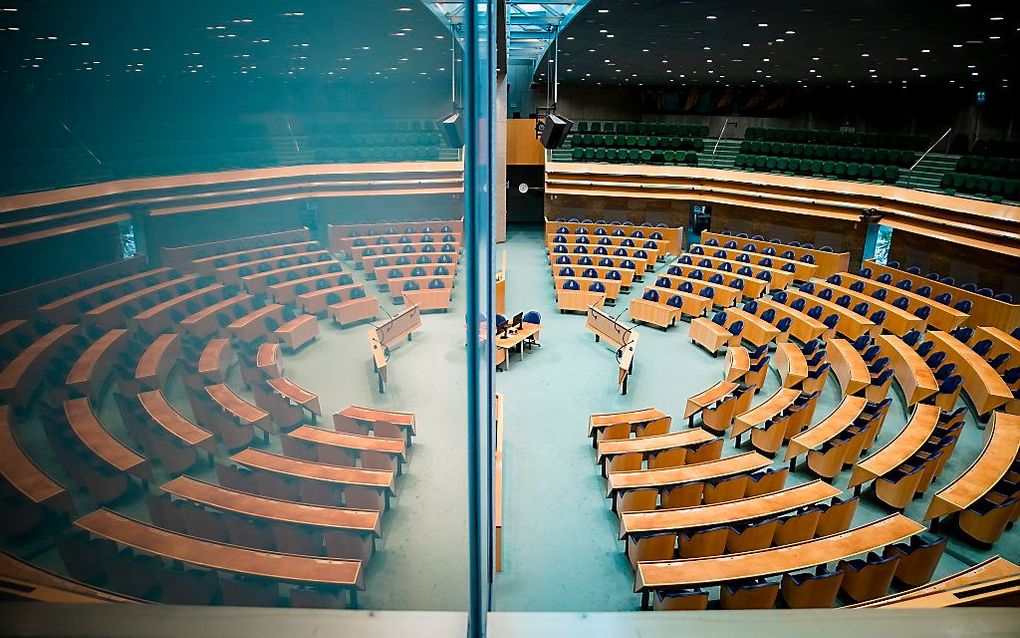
(996,18)
(603,10)
(957,46)
(710,17)
(763,24)
(644,50)
(925,50)
(865,55)
(791,32)
(746,44)
(963,5)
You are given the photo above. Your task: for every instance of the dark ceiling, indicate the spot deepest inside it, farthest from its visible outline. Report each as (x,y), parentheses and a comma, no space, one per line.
(216,40)
(803,43)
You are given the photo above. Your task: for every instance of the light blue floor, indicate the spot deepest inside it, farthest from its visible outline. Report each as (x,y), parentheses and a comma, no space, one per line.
(560,539)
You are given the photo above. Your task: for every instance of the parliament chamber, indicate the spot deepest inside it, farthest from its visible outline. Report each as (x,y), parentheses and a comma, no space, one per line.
(509,319)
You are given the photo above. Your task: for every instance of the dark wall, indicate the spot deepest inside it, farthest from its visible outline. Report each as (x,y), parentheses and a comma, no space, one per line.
(989,269)
(30,263)
(525,208)
(672,212)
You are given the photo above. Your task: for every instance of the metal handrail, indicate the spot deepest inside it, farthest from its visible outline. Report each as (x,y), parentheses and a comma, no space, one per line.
(718,140)
(910,171)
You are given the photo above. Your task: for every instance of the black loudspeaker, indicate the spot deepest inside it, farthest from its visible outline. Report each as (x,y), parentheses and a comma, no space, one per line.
(452,127)
(555,130)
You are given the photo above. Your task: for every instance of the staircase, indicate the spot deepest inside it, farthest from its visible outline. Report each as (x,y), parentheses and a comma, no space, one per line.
(723,157)
(928,174)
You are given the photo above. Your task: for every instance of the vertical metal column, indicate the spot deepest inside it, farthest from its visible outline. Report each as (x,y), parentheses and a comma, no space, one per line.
(479,73)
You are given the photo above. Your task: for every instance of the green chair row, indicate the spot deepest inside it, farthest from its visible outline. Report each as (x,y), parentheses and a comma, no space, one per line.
(994,187)
(644,128)
(637,141)
(825,151)
(381,139)
(842,138)
(978,165)
(633,156)
(826,168)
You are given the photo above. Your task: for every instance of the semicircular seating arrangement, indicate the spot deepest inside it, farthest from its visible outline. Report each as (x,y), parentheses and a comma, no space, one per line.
(178,371)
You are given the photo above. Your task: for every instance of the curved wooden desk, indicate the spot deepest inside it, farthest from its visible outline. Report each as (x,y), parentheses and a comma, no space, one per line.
(780,278)
(803,271)
(828,428)
(1001,342)
(909,440)
(23,375)
(157,319)
(157,361)
(752,287)
(791,364)
(1002,445)
(723,296)
(358,419)
(915,378)
(726,513)
(110,315)
(942,317)
(21,580)
(164,416)
(103,445)
(827,262)
(252,326)
(671,236)
(220,556)
(705,398)
(343,448)
(231,274)
(367,522)
(986,311)
(66,309)
(695,572)
(21,473)
(982,383)
(599,422)
(379,483)
(237,408)
(851,325)
(848,365)
(736,364)
(782,399)
(90,371)
(802,327)
(296,394)
(208,265)
(644,445)
(216,357)
(897,321)
(267,359)
(204,323)
(756,331)
(695,472)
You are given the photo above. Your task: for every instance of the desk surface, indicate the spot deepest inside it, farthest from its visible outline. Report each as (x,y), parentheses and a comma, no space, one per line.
(828,428)
(737,363)
(942,316)
(644,415)
(292,391)
(83,369)
(230,558)
(791,363)
(727,513)
(348,440)
(782,399)
(914,376)
(1002,445)
(776,560)
(271,509)
(164,415)
(18,468)
(97,439)
(910,439)
(297,468)
(11,376)
(849,366)
(212,355)
(708,470)
(655,443)
(705,398)
(360,413)
(151,360)
(983,384)
(232,403)
(526,331)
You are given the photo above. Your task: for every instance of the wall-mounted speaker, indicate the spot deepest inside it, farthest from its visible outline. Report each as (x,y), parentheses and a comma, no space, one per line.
(452,127)
(555,130)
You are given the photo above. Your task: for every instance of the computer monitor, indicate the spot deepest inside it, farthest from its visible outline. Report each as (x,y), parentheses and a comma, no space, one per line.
(518,320)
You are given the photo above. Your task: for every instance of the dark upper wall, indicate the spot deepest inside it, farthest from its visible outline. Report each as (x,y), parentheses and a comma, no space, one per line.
(928,112)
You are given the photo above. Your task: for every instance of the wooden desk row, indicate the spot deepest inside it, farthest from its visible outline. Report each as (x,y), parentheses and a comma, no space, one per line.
(986,311)
(982,383)
(116,312)
(22,376)
(802,271)
(181,257)
(207,265)
(371,262)
(346,245)
(777,278)
(641,257)
(942,316)
(671,236)
(68,308)
(897,321)
(339,233)
(827,262)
